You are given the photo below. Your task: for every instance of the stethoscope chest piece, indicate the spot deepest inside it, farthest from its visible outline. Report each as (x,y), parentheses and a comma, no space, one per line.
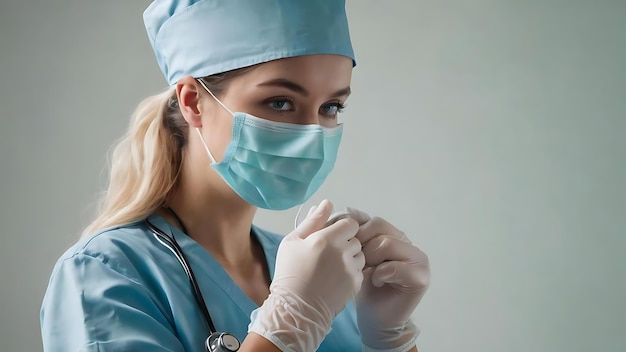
(222,342)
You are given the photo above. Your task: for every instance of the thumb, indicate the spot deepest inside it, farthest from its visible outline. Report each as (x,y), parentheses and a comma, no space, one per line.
(384,273)
(315,220)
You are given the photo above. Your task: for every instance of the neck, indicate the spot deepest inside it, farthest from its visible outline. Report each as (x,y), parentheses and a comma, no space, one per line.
(214,216)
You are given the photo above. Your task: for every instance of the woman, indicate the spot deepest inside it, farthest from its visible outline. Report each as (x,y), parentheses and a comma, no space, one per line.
(249,120)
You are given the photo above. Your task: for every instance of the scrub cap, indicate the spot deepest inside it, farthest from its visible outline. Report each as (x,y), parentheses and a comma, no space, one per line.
(205,37)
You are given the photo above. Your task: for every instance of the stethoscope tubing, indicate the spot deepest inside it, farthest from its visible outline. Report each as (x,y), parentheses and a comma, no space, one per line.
(171,244)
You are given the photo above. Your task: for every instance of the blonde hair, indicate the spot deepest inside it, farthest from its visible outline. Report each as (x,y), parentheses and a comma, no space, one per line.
(145,163)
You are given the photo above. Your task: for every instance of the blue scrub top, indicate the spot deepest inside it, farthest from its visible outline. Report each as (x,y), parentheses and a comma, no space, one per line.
(122,290)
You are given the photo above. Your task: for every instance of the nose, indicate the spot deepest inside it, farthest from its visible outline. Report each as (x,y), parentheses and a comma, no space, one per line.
(309,117)
(314,117)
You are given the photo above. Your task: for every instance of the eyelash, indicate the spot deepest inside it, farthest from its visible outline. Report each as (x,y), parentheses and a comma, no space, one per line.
(279,99)
(339,106)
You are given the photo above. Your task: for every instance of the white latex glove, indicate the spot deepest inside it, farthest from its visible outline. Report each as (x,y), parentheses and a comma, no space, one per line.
(318,271)
(396,276)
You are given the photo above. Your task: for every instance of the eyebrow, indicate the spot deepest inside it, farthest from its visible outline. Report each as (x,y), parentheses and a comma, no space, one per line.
(293,86)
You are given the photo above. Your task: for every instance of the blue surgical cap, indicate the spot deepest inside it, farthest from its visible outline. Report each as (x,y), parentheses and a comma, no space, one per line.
(203,37)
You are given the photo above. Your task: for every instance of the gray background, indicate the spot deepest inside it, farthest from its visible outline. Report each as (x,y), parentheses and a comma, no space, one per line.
(492,132)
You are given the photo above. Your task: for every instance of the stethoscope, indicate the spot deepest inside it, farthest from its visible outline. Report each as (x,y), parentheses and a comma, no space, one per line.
(217,341)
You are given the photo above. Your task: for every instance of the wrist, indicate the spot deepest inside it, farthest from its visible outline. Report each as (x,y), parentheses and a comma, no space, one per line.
(290,323)
(401,339)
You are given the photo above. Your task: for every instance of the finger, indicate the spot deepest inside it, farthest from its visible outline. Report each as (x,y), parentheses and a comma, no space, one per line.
(360,260)
(339,232)
(336,217)
(353,247)
(312,209)
(315,221)
(360,216)
(356,264)
(408,278)
(377,226)
(386,247)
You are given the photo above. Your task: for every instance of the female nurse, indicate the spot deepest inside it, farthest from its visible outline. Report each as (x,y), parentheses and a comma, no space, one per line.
(249,120)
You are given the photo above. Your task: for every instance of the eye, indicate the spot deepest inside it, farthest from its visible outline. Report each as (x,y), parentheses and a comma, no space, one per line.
(281,104)
(332,109)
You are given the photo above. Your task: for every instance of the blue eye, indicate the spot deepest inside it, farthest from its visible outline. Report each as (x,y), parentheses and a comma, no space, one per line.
(331,110)
(281,105)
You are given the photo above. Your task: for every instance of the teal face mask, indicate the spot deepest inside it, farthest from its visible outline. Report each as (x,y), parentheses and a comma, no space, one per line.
(275,165)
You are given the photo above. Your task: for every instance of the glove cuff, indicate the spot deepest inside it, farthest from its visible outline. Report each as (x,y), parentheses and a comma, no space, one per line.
(393,340)
(290,323)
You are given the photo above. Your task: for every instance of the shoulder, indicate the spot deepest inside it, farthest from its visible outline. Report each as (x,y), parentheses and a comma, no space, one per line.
(101,270)
(104,291)
(118,248)
(113,238)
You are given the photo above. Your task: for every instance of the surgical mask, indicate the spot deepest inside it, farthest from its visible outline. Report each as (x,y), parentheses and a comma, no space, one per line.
(275,165)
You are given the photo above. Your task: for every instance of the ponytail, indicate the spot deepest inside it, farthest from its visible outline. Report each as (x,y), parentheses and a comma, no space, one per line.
(144,164)
(146,161)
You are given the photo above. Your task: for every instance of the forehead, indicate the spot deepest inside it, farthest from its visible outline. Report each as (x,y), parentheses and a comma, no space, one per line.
(314,72)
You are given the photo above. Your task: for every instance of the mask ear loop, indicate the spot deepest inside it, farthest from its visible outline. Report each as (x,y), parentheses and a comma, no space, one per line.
(295,221)
(213,95)
(206,147)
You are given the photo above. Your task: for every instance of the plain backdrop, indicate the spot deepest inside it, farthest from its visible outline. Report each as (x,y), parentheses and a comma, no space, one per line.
(492,132)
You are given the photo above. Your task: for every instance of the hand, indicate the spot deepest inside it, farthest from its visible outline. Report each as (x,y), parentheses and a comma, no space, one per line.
(396,276)
(318,270)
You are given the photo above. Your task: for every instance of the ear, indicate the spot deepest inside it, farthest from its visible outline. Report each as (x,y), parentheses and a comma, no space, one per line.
(189,100)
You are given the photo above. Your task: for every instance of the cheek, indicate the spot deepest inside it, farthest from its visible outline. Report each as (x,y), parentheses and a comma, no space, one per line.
(218,133)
